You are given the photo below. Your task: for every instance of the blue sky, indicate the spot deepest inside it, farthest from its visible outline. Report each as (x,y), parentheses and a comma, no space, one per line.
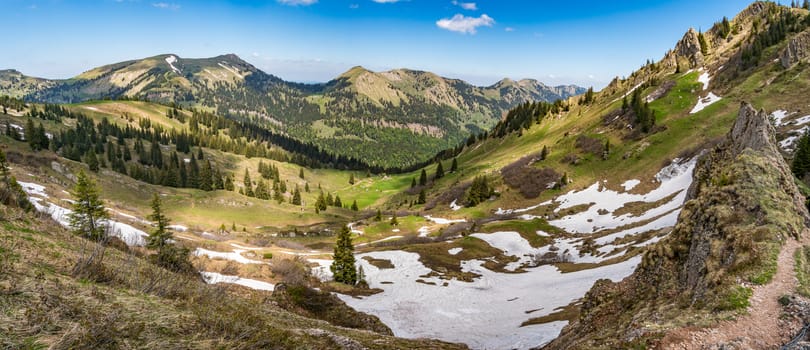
(557,42)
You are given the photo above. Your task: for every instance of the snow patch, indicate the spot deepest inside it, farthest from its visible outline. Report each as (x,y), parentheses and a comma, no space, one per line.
(33,189)
(178,228)
(454,251)
(441,221)
(236,255)
(704,102)
(454,206)
(214,278)
(704,79)
(171,60)
(630,184)
(484,314)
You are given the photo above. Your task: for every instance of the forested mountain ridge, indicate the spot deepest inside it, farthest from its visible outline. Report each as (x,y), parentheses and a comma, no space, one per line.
(395,118)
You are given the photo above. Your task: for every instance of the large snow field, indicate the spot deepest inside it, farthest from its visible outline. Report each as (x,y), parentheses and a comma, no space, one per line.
(486,313)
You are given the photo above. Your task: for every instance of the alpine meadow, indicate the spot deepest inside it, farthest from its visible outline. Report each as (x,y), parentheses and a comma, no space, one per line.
(534,181)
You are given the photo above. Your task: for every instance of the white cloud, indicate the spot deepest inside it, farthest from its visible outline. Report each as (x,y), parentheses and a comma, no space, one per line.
(509,29)
(297,2)
(386,1)
(470,6)
(166,6)
(354,6)
(463,24)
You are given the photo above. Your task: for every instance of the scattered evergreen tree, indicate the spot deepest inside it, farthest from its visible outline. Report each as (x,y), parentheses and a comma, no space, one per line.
(544,153)
(296,199)
(423,178)
(11,192)
(301,173)
(378,217)
(338,203)
(88,210)
(160,235)
(342,267)
(91,160)
(704,47)
(394,221)
(320,203)
(354,206)
(248,184)
(454,165)
(439,171)
(479,191)
(422,197)
(351,179)
(801,158)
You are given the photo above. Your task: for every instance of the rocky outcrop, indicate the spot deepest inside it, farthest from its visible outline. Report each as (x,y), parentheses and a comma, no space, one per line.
(689,48)
(797,50)
(743,204)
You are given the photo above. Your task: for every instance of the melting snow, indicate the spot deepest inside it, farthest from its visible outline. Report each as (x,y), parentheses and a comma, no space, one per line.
(33,189)
(441,221)
(236,255)
(704,79)
(485,313)
(214,278)
(170,60)
(705,102)
(778,117)
(454,206)
(674,179)
(424,231)
(454,251)
(630,184)
(322,271)
(178,228)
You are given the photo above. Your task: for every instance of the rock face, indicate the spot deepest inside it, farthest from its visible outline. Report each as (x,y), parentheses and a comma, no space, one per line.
(689,48)
(797,50)
(743,203)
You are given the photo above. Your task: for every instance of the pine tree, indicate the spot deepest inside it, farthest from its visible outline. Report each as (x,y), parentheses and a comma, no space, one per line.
(338,203)
(704,47)
(544,153)
(160,235)
(422,197)
(439,171)
(454,166)
(413,182)
(342,267)
(205,176)
(296,199)
(351,179)
(354,206)
(394,221)
(88,210)
(329,201)
(301,173)
(248,184)
(91,160)
(378,217)
(423,178)
(320,203)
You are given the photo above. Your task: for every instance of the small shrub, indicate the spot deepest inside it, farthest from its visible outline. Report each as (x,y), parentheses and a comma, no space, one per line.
(267,255)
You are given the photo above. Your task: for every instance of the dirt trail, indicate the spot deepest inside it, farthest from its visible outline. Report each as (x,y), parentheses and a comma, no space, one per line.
(761,328)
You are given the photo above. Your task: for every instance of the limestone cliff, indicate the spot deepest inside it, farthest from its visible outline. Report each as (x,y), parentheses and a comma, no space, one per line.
(797,50)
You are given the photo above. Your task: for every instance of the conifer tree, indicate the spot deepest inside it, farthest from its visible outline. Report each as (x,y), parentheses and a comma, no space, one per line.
(439,171)
(704,47)
(423,178)
(378,217)
(88,210)
(248,184)
(296,199)
(351,179)
(544,153)
(342,267)
(454,165)
(160,235)
(301,173)
(354,206)
(422,197)
(413,182)
(394,221)
(91,160)
(338,203)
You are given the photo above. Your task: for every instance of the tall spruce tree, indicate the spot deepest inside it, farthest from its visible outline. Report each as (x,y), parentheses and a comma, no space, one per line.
(161,234)
(88,210)
(343,265)
(439,170)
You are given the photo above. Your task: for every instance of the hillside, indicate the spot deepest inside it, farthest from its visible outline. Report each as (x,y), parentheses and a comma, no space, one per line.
(660,211)
(390,119)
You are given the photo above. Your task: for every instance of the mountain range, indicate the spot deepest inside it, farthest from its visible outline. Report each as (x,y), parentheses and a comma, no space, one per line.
(394,118)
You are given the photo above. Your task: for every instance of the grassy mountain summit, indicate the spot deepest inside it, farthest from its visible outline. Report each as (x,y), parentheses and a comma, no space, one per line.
(395,118)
